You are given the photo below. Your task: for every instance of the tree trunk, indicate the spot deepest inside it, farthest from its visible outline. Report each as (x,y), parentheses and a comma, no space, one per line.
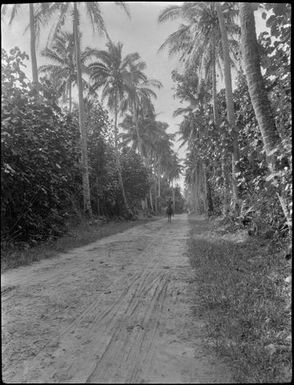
(146,205)
(174,201)
(85,169)
(33,51)
(155,195)
(69,96)
(258,96)
(225,208)
(159,192)
(216,123)
(204,179)
(151,200)
(214,95)
(229,101)
(98,203)
(137,130)
(117,155)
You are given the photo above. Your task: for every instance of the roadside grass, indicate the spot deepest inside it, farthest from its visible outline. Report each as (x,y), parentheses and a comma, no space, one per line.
(79,234)
(243,295)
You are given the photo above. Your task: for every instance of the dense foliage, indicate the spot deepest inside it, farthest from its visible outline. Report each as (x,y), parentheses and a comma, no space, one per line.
(40,164)
(210,140)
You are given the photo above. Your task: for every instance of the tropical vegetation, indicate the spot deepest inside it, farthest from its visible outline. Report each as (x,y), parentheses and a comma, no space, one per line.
(82,138)
(84,163)
(238,150)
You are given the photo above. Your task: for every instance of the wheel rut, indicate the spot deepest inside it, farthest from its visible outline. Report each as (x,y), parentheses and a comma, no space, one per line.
(115,311)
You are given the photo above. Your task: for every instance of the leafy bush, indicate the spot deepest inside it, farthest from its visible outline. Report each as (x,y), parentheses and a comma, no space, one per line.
(39,163)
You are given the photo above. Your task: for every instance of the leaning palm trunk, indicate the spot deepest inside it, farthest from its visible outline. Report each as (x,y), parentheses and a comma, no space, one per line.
(259,98)
(230,103)
(85,169)
(33,51)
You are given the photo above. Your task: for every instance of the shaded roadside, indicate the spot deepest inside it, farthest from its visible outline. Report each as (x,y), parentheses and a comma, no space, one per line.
(78,234)
(242,294)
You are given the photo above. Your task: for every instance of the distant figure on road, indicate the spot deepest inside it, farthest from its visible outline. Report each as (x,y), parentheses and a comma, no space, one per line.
(169,210)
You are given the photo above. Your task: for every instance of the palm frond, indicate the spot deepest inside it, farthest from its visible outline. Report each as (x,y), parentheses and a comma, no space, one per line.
(94,13)
(124,6)
(170,13)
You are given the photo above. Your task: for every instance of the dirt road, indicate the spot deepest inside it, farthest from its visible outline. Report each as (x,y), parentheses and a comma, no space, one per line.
(118,310)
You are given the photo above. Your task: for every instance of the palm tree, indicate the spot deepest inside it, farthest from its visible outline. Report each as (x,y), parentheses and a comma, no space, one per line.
(63,68)
(197,43)
(34,30)
(259,97)
(110,73)
(229,101)
(155,144)
(174,171)
(138,99)
(94,13)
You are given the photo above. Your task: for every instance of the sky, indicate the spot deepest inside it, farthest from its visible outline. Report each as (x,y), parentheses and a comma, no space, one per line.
(141,33)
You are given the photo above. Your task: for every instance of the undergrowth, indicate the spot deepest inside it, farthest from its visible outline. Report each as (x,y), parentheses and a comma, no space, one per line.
(243,295)
(79,233)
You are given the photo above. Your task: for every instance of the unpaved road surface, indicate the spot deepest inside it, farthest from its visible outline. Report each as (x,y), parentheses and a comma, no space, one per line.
(118,310)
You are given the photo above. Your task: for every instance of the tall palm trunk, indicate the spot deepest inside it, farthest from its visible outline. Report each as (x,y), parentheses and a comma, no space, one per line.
(151,199)
(205,189)
(229,101)
(174,200)
(258,96)
(140,149)
(33,50)
(158,191)
(69,96)
(159,175)
(216,123)
(98,200)
(85,169)
(224,174)
(137,129)
(117,154)
(155,195)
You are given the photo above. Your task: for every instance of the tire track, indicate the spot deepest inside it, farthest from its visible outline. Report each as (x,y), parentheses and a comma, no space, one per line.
(126,346)
(91,318)
(131,332)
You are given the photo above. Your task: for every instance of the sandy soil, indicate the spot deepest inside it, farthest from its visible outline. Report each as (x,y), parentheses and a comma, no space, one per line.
(118,310)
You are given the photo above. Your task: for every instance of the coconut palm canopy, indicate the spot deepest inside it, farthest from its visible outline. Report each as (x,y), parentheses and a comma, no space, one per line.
(127,23)
(130,31)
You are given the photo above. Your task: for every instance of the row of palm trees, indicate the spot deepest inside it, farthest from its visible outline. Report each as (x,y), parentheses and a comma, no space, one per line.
(120,80)
(200,47)
(210,36)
